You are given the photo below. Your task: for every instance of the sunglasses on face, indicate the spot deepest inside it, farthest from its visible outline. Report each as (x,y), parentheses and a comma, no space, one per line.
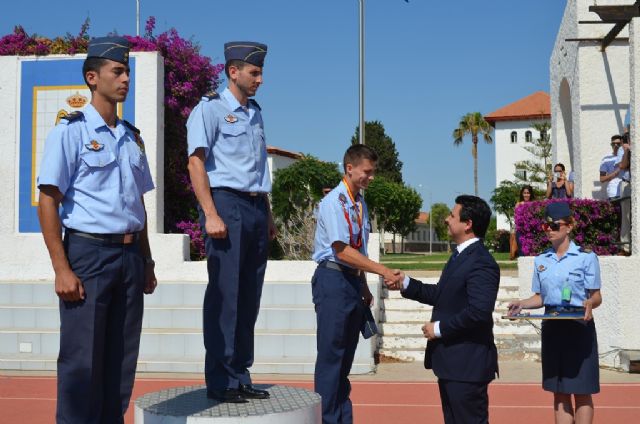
(552,226)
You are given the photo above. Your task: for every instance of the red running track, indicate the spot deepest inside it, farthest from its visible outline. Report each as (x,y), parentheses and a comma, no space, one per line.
(31,400)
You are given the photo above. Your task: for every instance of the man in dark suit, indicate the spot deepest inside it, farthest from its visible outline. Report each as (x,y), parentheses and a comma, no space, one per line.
(461,350)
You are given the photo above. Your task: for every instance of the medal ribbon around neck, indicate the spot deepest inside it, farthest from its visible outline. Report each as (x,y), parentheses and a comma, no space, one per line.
(358,242)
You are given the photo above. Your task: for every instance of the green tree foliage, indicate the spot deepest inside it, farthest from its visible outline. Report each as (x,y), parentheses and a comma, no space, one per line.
(394,205)
(300,185)
(504,199)
(389,166)
(473,124)
(538,168)
(439,212)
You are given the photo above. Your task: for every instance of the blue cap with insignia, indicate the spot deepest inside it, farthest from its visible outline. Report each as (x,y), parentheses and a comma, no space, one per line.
(112,48)
(556,211)
(246,51)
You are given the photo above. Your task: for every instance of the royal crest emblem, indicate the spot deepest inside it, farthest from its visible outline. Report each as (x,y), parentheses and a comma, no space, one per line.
(94,146)
(541,268)
(231,119)
(77,100)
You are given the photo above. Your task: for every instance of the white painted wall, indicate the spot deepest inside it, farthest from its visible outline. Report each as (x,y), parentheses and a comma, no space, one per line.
(590,94)
(276,162)
(508,153)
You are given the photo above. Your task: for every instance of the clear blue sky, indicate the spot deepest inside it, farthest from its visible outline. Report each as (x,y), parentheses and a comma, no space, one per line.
(427,64)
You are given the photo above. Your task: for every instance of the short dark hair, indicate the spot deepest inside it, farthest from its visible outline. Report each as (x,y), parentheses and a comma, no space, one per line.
(233,62)
(616,137)
(356,153)
(477,211)
(527,187)
(561,165)
(92,64)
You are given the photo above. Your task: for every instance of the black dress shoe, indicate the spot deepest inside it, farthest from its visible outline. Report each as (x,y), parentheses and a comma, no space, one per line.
(227,395)
(250,392)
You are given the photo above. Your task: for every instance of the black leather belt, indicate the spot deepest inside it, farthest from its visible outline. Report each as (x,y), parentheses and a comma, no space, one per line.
(127,238)
(239,192)
(338,267)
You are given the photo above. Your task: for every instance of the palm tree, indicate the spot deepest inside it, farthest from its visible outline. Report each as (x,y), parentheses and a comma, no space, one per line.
(473,123)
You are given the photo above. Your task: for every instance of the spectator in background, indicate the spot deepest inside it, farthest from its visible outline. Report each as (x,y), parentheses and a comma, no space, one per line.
(515,249)
(624,163)
(609,172)
(557,185)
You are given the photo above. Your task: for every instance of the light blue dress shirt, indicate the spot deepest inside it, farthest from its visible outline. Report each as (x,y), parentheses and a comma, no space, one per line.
(332,225)
(101,172)
(625,174)
(578,270)
(232,137)
(608,166)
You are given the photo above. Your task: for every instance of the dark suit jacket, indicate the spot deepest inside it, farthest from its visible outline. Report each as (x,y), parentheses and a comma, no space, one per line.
(463,301)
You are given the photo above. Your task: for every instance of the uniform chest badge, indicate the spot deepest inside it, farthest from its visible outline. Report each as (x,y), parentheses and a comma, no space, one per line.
(231,119)
(139,142)
(541,268)
(94,146)
(342,198)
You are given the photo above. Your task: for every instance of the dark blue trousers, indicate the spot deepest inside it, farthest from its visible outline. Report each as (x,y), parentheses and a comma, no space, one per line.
(236,266)
(464,402)
(100,335)
(339,307)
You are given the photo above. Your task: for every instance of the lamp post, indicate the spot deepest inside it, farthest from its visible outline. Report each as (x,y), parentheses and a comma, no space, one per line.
(361,74)
(430,224)
(138,18)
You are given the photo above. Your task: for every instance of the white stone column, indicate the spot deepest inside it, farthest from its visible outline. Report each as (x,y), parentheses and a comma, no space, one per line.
(634,65)
(150,121)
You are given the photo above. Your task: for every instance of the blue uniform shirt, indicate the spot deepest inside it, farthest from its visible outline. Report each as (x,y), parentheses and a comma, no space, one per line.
(333,226)
(577,269)
(101,172)
(233,140)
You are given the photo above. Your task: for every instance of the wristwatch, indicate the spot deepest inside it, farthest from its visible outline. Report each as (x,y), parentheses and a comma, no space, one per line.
(150,261)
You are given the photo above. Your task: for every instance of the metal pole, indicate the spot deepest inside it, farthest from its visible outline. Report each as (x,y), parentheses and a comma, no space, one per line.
(430,223)
(361,76)
(138,18)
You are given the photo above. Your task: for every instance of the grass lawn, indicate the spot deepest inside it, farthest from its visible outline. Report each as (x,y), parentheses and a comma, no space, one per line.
(434,262)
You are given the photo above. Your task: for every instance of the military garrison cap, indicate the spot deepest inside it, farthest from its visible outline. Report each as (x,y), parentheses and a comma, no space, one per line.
(556,211)
(112,48)
(246,51)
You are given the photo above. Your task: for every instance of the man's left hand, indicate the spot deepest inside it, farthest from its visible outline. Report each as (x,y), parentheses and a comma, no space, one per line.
(428,329)
(150,281)
(273,230)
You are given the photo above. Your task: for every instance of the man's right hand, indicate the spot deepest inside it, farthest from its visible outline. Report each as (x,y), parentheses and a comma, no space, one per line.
(215,227)
(394,279)
(69,288)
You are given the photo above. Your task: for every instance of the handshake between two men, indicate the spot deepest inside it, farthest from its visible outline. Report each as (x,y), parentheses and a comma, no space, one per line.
(397,283)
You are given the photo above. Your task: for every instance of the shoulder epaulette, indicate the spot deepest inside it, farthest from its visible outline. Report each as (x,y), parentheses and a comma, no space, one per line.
(131,126)
(253,102)
(73,116)
(586,250)
(211,95)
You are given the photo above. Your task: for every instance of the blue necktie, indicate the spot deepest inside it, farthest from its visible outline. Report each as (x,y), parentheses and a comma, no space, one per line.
(455,255)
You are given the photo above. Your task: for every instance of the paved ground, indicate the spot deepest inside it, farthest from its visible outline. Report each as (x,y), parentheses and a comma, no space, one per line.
(397,393)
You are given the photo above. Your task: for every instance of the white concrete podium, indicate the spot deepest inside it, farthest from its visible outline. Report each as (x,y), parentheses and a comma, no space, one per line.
(190,405)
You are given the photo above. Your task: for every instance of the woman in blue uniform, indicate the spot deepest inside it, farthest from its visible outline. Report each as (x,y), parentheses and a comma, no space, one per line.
(566,278)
